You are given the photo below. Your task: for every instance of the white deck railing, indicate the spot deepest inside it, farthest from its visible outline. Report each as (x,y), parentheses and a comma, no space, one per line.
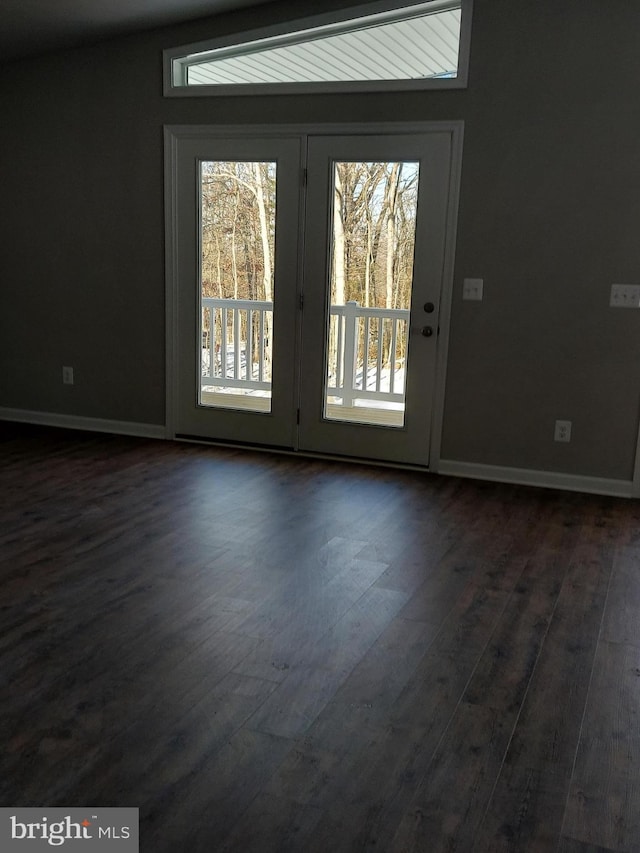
(235,350)
(381,334)
(233,329)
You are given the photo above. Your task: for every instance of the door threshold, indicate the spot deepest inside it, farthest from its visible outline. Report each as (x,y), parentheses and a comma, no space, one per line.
(307,454)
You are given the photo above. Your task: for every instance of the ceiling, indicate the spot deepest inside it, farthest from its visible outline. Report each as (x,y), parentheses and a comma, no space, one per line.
(412,46)
(30,27)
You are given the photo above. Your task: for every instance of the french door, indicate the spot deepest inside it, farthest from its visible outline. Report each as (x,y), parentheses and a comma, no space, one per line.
(235,230)
(307,276)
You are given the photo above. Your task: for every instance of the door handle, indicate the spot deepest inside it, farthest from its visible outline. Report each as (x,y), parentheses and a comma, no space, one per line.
(426,331)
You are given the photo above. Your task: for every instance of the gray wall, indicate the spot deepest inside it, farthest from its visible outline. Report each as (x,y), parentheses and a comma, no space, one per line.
(549,217)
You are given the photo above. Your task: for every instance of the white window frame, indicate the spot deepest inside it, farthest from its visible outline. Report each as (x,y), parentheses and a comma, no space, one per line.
(175,60)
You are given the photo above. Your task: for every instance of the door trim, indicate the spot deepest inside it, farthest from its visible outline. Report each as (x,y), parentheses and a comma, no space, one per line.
(173,134)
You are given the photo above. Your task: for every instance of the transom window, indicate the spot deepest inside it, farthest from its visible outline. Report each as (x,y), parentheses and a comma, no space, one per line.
(372,48)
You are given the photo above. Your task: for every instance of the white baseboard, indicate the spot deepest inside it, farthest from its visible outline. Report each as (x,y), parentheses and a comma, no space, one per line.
(75,422)
(450,467)
(546,479)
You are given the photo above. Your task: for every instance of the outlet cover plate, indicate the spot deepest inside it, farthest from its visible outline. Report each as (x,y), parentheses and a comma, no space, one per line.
(625,296)
(562,431)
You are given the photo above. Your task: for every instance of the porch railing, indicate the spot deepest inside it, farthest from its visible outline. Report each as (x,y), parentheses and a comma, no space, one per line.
(367,353)
(235,349)
(366,358)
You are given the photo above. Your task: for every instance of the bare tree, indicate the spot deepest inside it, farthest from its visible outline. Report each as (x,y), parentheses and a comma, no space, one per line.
(267,273)
(339,241)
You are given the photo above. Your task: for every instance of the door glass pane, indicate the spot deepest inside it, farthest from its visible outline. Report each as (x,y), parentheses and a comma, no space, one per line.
(237,241)
(371,275)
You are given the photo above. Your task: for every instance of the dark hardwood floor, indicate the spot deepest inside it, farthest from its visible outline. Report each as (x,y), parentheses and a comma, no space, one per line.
(266,653)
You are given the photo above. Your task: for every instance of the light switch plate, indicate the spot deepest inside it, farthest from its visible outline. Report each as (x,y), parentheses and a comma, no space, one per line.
(625,296)
(472,289)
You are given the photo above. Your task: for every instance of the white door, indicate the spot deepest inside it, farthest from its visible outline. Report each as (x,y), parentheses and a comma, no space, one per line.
(307,311)
(376,224)
(236,217)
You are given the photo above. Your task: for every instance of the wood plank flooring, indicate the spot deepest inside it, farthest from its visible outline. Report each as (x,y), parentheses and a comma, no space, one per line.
(265,653)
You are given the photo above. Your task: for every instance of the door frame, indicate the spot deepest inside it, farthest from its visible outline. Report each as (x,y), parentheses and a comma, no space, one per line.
(174,134)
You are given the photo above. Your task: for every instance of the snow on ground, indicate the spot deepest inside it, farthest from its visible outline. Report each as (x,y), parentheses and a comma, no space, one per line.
(385,380)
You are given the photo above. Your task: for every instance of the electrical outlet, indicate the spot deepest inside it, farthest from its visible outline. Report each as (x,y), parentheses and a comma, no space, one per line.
(472,289)
(562,431)
(625,296)
(67,375)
